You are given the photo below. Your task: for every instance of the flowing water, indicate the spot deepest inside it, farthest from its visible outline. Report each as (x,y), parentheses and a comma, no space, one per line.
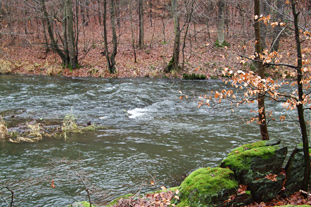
(151,135)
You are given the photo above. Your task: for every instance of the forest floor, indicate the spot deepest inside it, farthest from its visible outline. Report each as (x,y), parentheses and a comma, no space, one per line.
(27,54)
(163,199)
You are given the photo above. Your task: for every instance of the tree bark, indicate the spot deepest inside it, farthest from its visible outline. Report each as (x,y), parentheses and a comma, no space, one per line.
(263,27)
(141,23)
(1,17)
(133,37)
(188,20)
(221,23)
(260,71)
(111,62)
(70,35)
(54,44)
(173,64)
(99,12)
(277,29)
(300,110)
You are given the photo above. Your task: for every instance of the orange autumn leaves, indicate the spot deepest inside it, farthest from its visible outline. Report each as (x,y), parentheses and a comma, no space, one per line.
(216,95)
(52,184)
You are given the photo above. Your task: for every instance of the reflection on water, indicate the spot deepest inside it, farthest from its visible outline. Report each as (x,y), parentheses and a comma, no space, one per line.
(151,135)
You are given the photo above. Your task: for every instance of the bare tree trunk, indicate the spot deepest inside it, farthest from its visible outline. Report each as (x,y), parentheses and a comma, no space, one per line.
(26,20)
(150,12)
(173,64)
(114,36)
(141,23)
(277,29)
(133,37)
(221,23)
(263,27)
(54,44)
(99,12)
(260,71)
(1,17)
(82,11)
(76,35)
(300,109)
(188,20)
(241,13)
(65,35)
(110,58)
(163,28)
(118,13)
(70,34)
(87,8)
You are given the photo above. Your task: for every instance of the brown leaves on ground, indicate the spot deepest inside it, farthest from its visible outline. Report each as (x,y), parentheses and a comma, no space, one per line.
(271,177)
(161,199)
(295,199)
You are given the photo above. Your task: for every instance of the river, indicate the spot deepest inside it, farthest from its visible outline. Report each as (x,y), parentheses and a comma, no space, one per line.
(151,135)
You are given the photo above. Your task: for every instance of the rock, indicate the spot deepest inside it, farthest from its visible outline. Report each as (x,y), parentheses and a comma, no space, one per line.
(207,187)
(264,189)
(241,199)
(255,160)
(295,171)
(251,163)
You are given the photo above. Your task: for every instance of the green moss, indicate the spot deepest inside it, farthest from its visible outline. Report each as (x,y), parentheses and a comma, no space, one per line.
(83,203)
(193,76)
(221,45)
(170,66)
(237,159)
(115,201)
(205,186)
(89,128)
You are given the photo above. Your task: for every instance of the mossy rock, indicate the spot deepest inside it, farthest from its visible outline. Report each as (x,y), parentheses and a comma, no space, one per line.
(295,170)
(264,189)
(207,187)
(241,199)
(81,204)
(251,164)
(255,160)
(193,76)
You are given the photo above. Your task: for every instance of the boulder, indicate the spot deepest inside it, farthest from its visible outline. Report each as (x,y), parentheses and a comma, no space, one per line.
(253,163)
(295,171)
(266,189)
(207,187)
(241,199)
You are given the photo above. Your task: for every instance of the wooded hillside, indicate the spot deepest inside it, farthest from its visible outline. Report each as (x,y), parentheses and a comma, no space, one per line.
(138,38)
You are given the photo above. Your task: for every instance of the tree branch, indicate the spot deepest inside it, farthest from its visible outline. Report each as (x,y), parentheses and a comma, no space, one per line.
(12,196)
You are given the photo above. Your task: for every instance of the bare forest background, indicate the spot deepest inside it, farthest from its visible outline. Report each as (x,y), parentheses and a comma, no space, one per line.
(141,38)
